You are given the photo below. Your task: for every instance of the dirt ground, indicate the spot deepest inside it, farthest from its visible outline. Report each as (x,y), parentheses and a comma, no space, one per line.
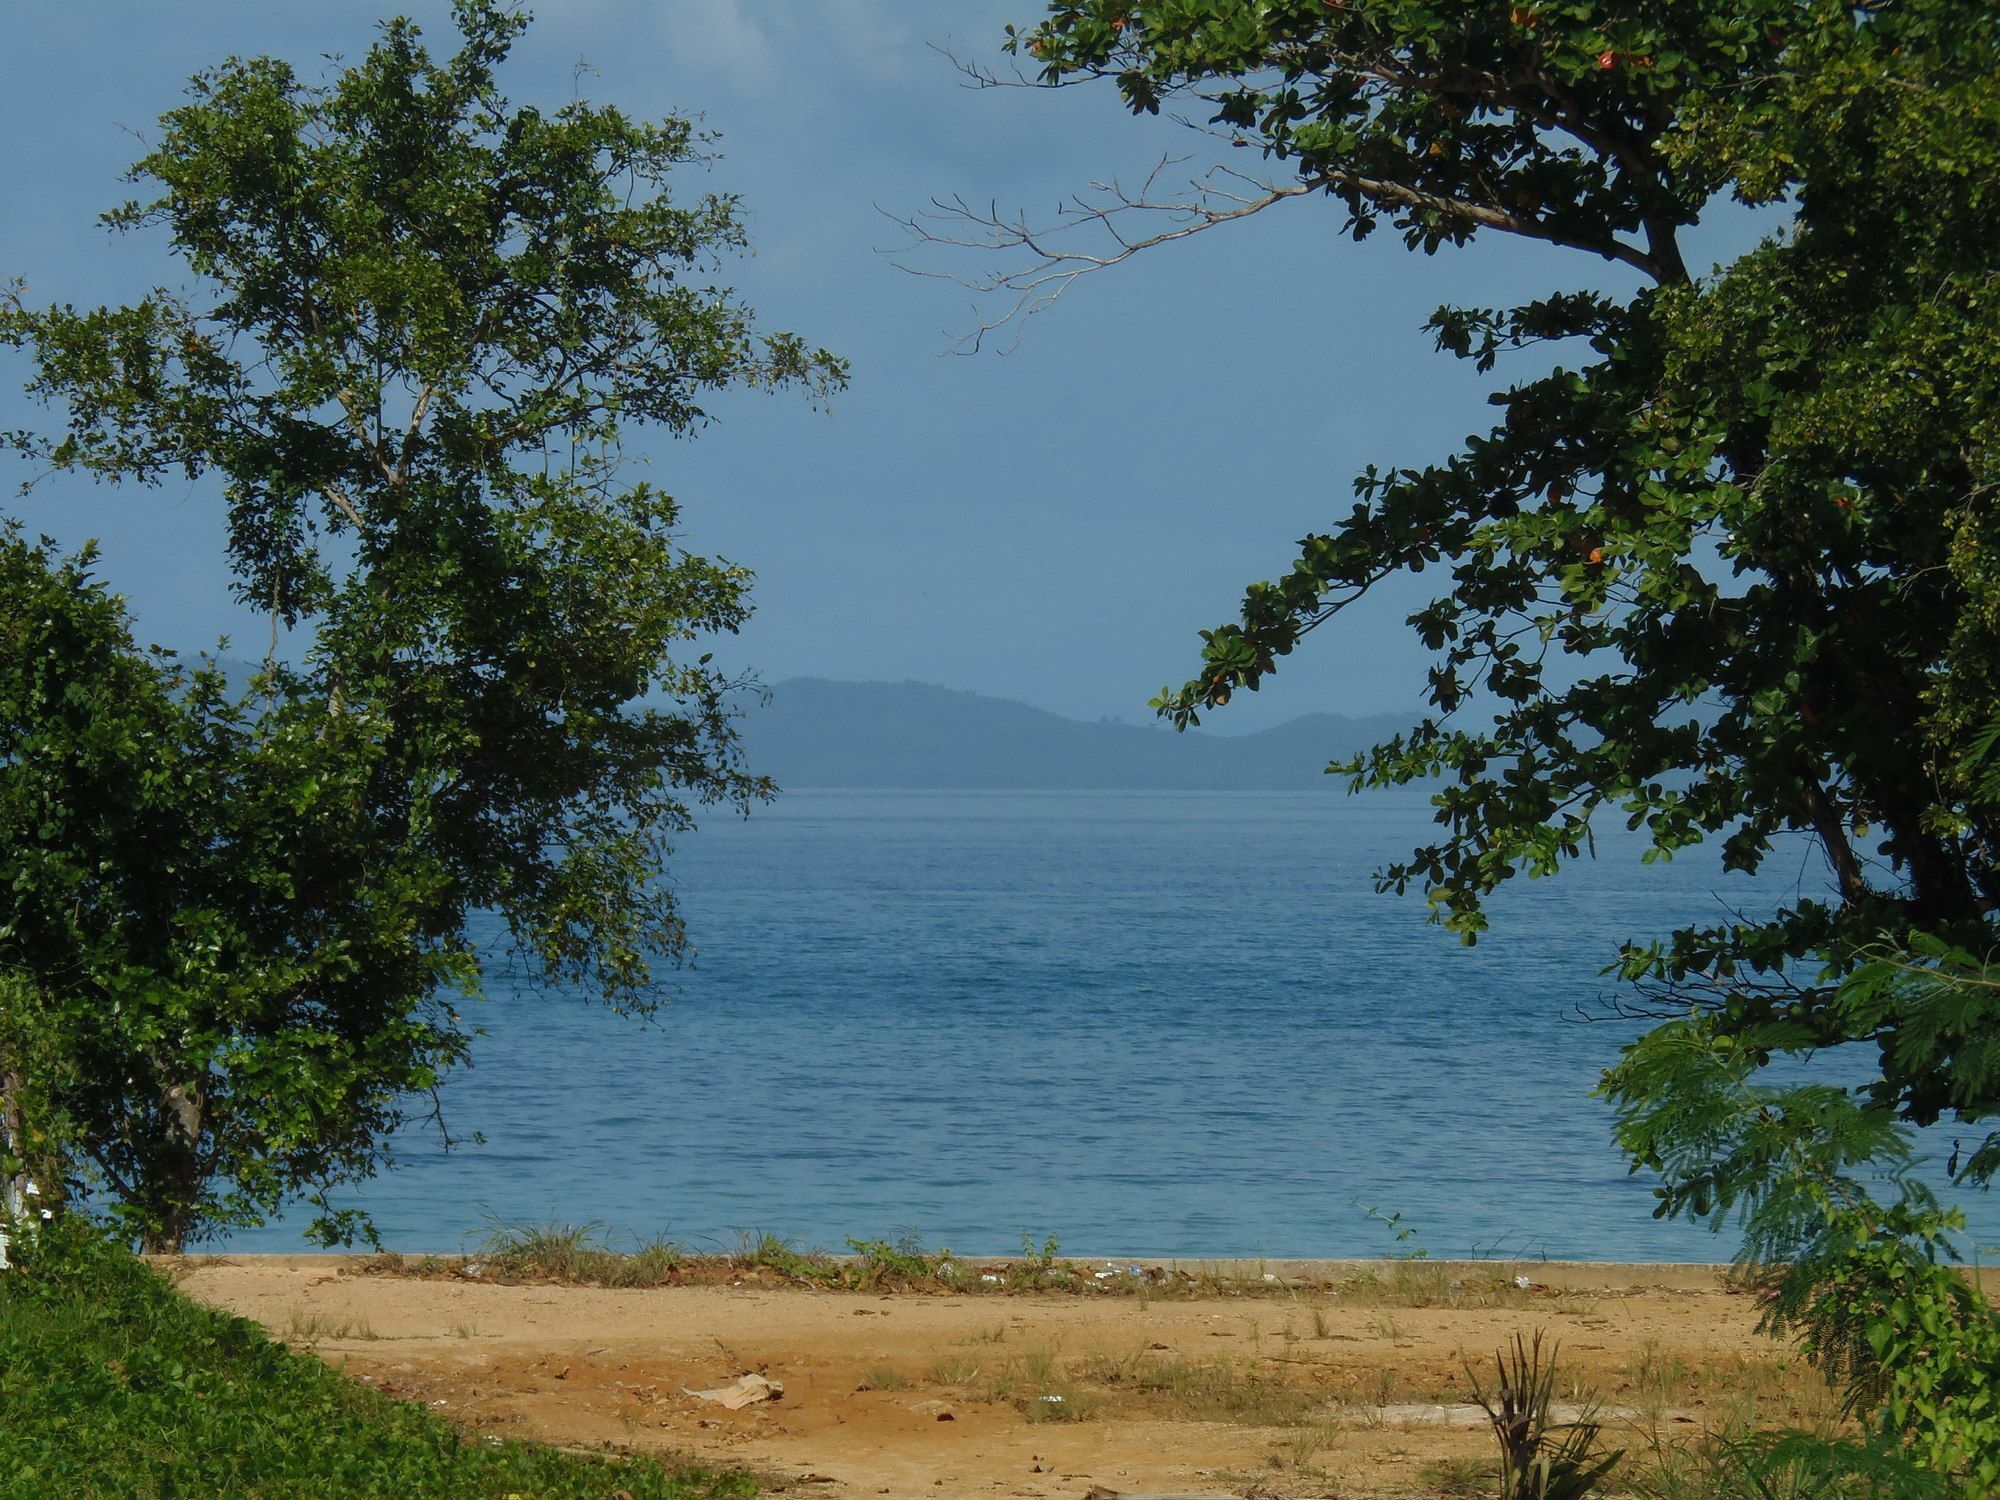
(1304,1380)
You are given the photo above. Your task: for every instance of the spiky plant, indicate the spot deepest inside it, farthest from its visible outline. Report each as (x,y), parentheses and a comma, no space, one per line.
(1540,1458)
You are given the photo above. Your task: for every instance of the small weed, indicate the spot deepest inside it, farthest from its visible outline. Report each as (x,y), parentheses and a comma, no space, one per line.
(1306,1445)
(1067,1404)
(1201,1390)
(548,1251)
(1459,1478)
(1657,1381)
(771,1252)
(570,1253)
(887,1378)
(1037,1366)
(1418,1283)
(1384,1326)
(956,1369)
(1038,1268)
(1405,1234)
(1385,1387)
(903,1263)
(310,1328)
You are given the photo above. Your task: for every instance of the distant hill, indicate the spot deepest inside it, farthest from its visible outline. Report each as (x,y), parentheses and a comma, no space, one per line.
(820,733)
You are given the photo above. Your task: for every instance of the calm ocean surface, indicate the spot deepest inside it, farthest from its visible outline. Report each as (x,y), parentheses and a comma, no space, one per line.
(1162,1024)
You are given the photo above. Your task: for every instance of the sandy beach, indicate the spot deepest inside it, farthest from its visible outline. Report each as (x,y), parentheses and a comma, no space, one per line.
(1302,1378)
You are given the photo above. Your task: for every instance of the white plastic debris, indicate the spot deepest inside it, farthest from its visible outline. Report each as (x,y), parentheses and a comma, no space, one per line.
(1056,1400)
(745,1390)
(1523,1282)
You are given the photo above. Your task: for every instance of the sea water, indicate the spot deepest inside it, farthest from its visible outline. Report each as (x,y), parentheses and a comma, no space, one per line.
(1161,1024)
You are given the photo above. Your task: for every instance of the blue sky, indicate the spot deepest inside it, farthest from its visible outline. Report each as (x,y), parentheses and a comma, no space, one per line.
(1053,525)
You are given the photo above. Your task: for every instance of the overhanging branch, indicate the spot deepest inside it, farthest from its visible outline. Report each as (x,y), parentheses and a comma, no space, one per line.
(1048,261)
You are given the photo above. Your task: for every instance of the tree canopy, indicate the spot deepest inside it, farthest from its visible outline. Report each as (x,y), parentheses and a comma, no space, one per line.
(422,324)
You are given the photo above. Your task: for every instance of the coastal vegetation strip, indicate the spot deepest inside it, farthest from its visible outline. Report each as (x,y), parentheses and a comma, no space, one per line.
(580,1255)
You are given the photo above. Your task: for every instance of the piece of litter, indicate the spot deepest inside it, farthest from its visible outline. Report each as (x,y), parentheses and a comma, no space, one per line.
(1523,1282)
(988,1276)
(1106,1275)
(1269,1277)
(746,1390)
(1056,1399)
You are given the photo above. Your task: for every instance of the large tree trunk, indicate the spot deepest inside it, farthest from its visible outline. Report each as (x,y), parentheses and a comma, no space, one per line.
(176,1172)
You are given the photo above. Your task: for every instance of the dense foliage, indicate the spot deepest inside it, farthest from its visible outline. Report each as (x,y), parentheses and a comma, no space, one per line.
(218,1000)
(114,1384)
(1729,570)
(424,322)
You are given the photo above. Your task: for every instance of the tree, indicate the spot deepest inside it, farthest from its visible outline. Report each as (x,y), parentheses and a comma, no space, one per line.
(425,321)
(1727,572)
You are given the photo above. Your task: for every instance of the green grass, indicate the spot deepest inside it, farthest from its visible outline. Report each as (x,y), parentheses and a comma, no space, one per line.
(113,1384)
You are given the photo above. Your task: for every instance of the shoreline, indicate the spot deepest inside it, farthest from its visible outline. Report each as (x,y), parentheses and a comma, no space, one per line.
(1226,1267)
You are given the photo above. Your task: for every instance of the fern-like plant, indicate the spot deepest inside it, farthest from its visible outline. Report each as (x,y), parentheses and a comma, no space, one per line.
(1853,1252)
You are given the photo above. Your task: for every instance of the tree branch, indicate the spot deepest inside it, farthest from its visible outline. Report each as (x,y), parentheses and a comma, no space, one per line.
(337,494)
(1219,196)
(1385,191)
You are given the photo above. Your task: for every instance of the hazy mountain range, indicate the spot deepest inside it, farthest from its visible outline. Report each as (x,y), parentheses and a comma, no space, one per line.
(816,732)
(819,733)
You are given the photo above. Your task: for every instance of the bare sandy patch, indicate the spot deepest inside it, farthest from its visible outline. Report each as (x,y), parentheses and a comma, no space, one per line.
(1309,1385)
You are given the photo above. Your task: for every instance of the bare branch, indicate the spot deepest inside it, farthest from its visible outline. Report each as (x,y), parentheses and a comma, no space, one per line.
(1219,196)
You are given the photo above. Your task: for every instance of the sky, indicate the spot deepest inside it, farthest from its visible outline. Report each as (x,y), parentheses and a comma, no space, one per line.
(1052,524)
